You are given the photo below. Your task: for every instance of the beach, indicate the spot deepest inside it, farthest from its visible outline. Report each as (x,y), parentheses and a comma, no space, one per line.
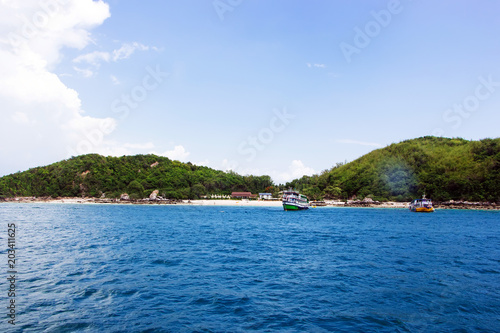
(76,200)
(202,202)
(252,203)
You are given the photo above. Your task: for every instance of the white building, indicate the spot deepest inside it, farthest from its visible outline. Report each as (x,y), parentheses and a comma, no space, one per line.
(265,196)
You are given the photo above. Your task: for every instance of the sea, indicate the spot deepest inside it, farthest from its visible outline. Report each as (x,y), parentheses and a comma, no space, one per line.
(169,268)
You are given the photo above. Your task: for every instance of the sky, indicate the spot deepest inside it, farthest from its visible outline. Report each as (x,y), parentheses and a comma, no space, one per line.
(284,88)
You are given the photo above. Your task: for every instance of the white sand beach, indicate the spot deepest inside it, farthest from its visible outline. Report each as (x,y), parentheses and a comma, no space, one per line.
(234,203)
(248,203)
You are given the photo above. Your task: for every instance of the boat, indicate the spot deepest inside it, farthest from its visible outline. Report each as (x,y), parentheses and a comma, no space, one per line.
(293,200)
(421,205)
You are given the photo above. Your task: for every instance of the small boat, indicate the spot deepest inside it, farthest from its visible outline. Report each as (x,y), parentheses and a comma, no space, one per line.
(421,205)
(293,200)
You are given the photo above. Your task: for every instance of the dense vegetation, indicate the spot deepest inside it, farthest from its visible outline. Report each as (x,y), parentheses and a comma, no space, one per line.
(92,175)
(441,168)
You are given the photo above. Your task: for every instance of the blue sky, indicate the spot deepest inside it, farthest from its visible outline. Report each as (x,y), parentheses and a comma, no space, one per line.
(284,88)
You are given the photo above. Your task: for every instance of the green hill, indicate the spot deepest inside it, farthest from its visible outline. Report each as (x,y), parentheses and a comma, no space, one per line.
(441,168)
(92,175)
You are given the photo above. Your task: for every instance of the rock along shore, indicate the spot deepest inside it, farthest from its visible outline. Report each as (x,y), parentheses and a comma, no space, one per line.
(437,205)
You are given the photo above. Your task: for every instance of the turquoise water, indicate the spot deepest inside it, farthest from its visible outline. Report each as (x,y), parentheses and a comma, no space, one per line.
(125,268)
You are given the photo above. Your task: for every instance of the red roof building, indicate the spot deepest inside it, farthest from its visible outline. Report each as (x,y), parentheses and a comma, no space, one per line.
(243,195)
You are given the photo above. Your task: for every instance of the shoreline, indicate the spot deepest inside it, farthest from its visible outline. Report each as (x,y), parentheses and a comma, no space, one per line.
(251,203)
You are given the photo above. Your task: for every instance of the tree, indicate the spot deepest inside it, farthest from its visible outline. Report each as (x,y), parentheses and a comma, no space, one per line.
(198,190)
(333,192)
(135,188)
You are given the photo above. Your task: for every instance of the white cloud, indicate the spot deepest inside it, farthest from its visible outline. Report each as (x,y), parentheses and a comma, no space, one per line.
(316,65)
(296,169)
(31,95)
(93,58)
(139,146)
(179,153)
(45,27)
(85,72)
(115,80)
(127,50)
(205,162)
(112,148)
(20,117)
(362,143)
(229,165)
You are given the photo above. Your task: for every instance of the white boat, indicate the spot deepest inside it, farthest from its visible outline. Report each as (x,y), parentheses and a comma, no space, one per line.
(293,200)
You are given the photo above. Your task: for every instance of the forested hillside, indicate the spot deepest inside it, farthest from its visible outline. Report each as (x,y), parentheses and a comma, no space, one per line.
(442,168)
(92,175)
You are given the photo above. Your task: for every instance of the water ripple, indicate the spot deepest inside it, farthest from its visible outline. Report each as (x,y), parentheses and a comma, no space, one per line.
(131,268)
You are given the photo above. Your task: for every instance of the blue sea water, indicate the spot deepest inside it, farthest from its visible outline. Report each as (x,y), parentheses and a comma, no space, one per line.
(129,268)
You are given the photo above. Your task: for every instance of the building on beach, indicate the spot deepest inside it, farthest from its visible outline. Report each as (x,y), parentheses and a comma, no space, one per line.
(243,195)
